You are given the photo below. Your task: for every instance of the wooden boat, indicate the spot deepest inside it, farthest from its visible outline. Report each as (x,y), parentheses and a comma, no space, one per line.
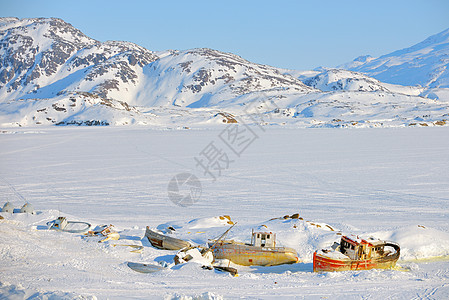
(354,253)
(165,242)
(145,268)
(261,252)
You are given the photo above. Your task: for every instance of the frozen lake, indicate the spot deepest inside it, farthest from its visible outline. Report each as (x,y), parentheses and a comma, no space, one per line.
(364,180)
(122,174)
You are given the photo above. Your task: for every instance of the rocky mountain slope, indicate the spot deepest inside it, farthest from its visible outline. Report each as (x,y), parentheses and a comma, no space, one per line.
(52,74)
(205,77)
(41,58)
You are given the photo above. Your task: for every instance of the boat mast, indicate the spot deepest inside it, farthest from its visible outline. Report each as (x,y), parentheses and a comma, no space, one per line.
(223,235)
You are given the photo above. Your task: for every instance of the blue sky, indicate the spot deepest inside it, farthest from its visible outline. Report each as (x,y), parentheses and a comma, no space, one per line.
(288,34)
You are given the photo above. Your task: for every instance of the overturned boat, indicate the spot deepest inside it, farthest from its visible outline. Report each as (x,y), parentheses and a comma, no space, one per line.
(165,242)
(261,252)
(354,253)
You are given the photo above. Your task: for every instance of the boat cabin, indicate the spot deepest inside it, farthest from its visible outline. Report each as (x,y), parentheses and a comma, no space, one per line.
(263,239)
(358,249)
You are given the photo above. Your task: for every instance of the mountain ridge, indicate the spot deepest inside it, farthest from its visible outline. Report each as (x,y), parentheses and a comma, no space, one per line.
(425,64)
(53,74)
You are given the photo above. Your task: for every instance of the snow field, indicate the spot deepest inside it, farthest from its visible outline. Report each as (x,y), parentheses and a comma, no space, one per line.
(374,182)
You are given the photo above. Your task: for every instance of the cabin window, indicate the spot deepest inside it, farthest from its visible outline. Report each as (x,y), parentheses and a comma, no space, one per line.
(258,235)
(352,247)
(268,236)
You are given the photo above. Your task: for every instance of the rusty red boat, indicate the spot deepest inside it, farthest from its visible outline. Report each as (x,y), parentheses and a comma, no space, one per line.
(354,253)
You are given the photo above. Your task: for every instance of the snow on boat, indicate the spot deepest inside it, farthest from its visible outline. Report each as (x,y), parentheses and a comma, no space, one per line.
(261,252)
(8,207)
(165,242)
(354,253)
(105,232)
(61,224)
(145,268)
(194,254)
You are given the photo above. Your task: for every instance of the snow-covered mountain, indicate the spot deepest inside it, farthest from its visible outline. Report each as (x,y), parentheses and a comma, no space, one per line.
(330,80)
(43,57)
(207,78)
(46,57)
(341,80)
(52,74)
(425,64)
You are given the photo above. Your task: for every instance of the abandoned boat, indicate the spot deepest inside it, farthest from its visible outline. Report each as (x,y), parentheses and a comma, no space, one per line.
(261,252)
(354,253)
(61,224)
(165,242)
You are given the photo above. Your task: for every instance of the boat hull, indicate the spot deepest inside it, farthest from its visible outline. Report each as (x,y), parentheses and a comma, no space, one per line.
(323,263)
(164,242)
(247,255)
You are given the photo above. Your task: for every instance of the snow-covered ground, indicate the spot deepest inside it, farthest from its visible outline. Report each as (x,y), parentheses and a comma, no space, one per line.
(389,183)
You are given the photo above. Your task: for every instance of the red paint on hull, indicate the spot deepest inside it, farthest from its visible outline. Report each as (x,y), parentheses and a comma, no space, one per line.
(326,264)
